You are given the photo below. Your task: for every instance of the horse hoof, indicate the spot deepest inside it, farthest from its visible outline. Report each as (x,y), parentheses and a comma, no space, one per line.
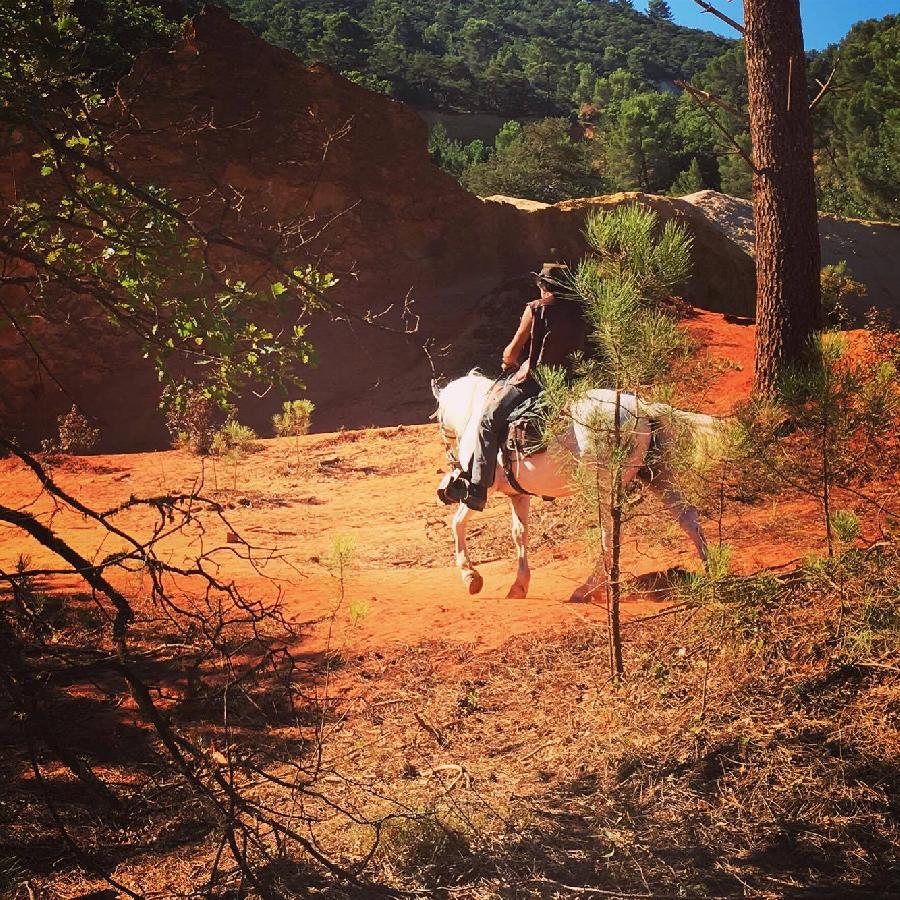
(475,583)
(517,592)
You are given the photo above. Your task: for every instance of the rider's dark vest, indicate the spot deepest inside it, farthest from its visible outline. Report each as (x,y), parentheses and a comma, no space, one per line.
(558,329)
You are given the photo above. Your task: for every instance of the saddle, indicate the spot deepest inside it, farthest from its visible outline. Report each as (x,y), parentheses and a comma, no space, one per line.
(524,435)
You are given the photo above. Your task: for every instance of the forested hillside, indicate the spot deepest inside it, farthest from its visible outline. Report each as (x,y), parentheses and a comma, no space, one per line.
(663,142)
(514,57)
(601,61)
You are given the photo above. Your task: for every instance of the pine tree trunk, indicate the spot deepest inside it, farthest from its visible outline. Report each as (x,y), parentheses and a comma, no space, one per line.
(788,295)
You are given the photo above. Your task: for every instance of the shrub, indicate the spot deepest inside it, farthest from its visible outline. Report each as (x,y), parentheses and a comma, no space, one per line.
(232,437)
(294,418)
(76,434)
(192,423)
(837,286)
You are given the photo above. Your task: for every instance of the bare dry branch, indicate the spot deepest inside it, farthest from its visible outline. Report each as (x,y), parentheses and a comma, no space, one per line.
(720,15)
(696,96)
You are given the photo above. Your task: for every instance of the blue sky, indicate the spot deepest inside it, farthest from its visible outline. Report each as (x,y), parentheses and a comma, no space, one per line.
(824,21)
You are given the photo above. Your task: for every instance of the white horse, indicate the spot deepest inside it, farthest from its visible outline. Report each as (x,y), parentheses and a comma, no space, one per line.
(551,473)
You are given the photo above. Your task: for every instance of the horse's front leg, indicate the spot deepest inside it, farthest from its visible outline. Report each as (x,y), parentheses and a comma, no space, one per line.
(471,578)
(521,504)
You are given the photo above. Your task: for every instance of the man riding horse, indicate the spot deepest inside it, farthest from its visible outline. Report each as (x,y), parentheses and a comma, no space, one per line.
(551,331)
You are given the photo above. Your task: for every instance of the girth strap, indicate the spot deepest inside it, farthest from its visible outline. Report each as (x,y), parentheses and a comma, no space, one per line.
(508,472)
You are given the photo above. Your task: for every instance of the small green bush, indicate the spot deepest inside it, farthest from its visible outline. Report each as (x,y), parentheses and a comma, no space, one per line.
(838,285)
(845,525)
(232,437)
(294,418)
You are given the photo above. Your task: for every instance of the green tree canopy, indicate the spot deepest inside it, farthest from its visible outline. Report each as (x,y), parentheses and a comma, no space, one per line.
(542,163)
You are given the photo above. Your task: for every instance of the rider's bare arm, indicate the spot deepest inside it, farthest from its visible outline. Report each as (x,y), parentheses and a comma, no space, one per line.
(513,350)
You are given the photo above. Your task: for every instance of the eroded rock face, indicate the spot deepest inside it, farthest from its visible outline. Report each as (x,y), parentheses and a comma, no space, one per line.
(871,249)
(225,112)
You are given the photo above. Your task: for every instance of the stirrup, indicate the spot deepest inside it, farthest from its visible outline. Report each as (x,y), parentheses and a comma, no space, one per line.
(475,499)
(453,488)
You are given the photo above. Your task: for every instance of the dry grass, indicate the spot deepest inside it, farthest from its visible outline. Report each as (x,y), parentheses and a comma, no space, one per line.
(752,751)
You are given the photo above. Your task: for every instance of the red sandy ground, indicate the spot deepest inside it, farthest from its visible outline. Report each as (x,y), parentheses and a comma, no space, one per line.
(378,486)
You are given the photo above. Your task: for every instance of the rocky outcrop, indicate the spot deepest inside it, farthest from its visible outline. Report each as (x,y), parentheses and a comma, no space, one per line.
(871,249)
(225,112)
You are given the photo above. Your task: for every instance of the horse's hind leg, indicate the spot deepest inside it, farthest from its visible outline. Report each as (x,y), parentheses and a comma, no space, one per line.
(521,503)
(471,578)
(685,514)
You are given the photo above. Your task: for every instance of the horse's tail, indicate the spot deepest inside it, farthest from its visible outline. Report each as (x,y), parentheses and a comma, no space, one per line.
(678,432)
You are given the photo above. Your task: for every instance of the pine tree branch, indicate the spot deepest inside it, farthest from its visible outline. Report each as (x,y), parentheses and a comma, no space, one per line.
(695,94)
(712,98)
(823,88)
(720,15)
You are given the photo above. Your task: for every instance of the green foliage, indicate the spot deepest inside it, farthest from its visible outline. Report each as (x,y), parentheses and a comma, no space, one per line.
(369,81)
(294,419)
(233,439)
(634,342)
(49,43)
(342,554)
(637,140)
(735,174)
(865,581)
(837,287)
(659,9)
(537,59)
(112,32)
(632,249)
(542,163)
(76,434)
(689,181)
(105,247)
(529,58)
(359,608)
(736,601)
(842,411)
(507,135)
(845,525)
(453,156)
(857,127)
(192,419)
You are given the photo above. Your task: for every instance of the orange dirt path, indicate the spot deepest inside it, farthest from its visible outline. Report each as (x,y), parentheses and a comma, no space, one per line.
(290,499)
